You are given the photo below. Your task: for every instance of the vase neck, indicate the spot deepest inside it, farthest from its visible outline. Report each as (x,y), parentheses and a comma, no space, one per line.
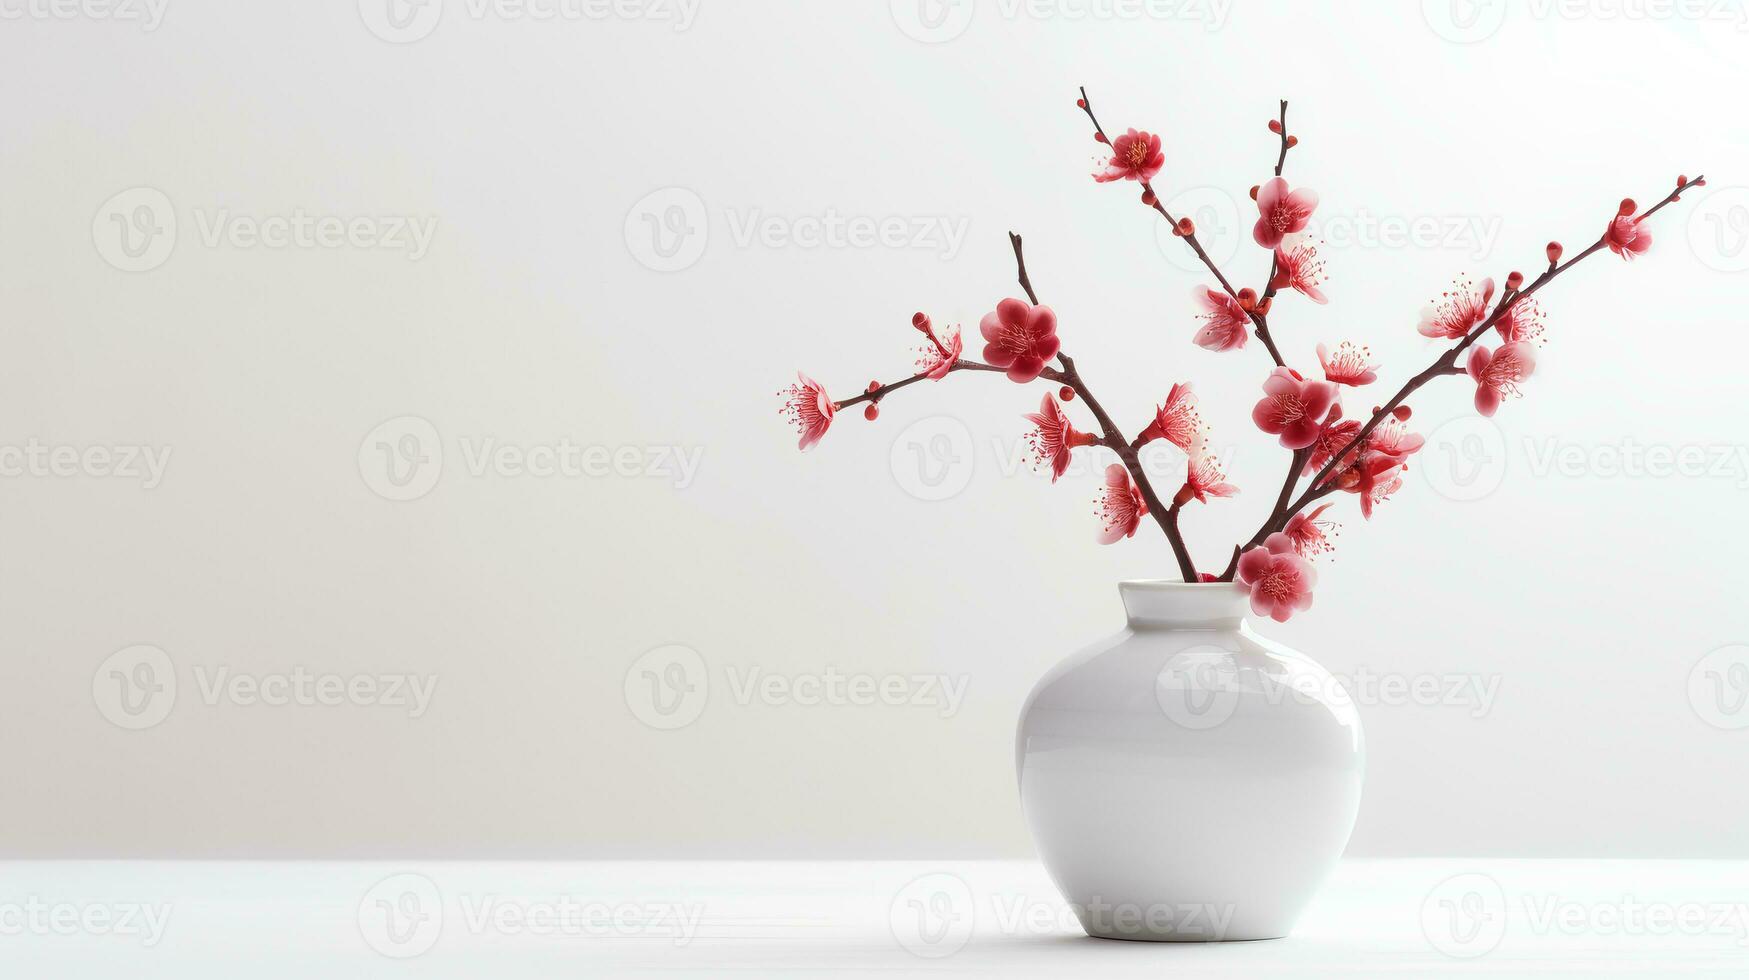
(1156,604)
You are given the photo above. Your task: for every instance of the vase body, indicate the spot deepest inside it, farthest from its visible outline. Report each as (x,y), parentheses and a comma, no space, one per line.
(1187,780)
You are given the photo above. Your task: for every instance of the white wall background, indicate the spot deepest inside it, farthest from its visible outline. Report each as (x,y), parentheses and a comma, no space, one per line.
(1587,593)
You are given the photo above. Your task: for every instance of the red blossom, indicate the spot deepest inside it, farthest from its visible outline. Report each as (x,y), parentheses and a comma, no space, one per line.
(1203,479)
(1311,537)
(1457,311)
(1020,337)
(808,408)
(1177,421)
(1121,506)
(1625,237)
(1293,408)
(1350,365)
(1135,155)
(1053,439)
(1280,581)
(1498,373)
(1297,266)
(1225,323)
(1281,212)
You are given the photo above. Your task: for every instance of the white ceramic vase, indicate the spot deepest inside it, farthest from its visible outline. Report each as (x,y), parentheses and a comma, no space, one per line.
(1187,780)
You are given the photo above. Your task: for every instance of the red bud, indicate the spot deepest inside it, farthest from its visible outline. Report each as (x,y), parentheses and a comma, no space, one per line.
(1264,304)
(1148,198)
(1186,226)
(1628,207)
(1080,103)
(1248,299)
(1275,125)
(1254,189)
(1700,181)
(1066,393)
(1554,252)
(874,386)
(872,412)
(920,321)
(1514,280)
(1402,413)
(1099,137)
(1681,180)
(1293,141)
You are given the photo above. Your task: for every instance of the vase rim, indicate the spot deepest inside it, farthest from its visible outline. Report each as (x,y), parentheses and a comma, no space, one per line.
(1166,602)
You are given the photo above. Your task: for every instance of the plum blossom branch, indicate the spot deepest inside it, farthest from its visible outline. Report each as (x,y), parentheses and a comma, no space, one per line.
(1322,485)
(1185,229)
(1112,437)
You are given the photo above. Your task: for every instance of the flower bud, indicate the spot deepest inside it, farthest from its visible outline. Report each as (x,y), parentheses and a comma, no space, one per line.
(1248,299)
(1514,279)
(1254,190)
(1402,413)
(1275,126)
(1186,226)
(1080,103)
(920,321)
(1628,207)
(1554,252)
(1293,141)
(1148,198)
(1066,393)
(872,412)
(874,386)
(1098,137)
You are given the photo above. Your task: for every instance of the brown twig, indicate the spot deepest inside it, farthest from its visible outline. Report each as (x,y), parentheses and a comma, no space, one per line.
(1322,485)
(1191,239)
(1113,437)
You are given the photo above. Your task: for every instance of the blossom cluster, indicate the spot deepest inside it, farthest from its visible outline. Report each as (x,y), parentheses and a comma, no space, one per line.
(1364,454)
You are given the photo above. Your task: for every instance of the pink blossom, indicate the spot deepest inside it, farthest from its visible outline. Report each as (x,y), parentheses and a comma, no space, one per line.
(1499,373)
(1053,439)
(1373,478)
(1457,311)
(1177,421)
(1280,581)
(1297,266)
(808,409)
(1121,507)
(1203,479)
(1293,407)
(1135,155)
(1521,323)
(941,353)
(1281,212)
(1225,322)
(1393,438)
(1020,337)
(1624,236)
(1335,433)
(1350,366)
(1311,536)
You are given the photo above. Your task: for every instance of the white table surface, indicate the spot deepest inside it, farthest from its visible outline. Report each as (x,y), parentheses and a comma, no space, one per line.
(840,919)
